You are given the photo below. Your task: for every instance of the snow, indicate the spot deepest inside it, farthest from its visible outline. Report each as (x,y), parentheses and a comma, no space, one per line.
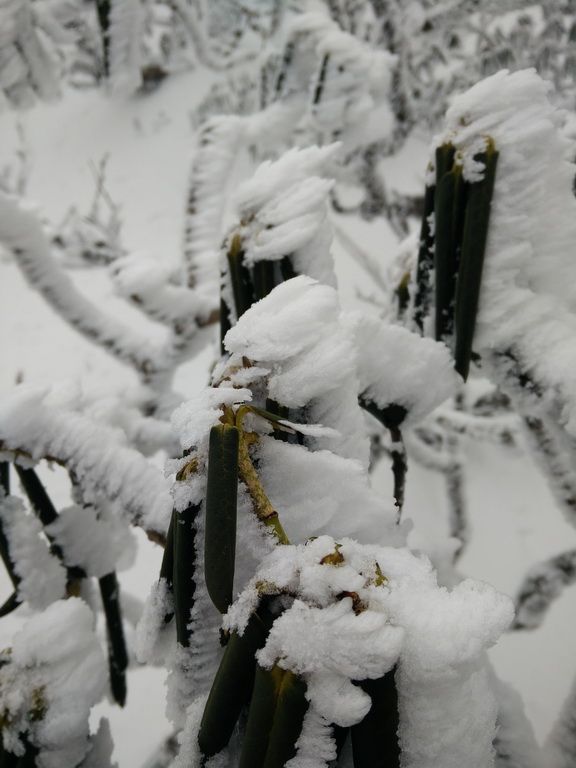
(98,454)
(98,543)
(154,639)
(127,22)
(352,105)
(515,742)
(21,232)
(57,655)
(285,205)
(26,66)
(42,579)
(102,747)
(527,299)
(397,367)
(193,419)
(329,490)
(358,611)
(316,746)
(296,334)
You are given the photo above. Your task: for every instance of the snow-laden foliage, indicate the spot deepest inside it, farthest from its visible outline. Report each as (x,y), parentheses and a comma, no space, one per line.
(329,85)
(284,213)
(526,314)
(296,330)
(354,603)
(33,427)
(53,676)
(360,610)
(157,293)
(95,542)
(272,521)
(21,231)
(411,358)
(26,66)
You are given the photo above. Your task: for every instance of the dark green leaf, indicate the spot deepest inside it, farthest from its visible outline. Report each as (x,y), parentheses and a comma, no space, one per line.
(221,500)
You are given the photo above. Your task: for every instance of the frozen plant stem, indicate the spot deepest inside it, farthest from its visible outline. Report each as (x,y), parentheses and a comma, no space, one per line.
(247,473)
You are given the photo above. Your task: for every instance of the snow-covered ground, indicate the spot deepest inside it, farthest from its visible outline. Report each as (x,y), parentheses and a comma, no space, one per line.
(150,142)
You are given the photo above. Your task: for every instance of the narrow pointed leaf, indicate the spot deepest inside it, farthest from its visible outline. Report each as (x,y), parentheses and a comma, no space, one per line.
(375,739)
(264,281)
(287,269)
(117,652)
(425,261)
(291,706)
(448,211)
(232,685)
(225,324)
(474,240)
(221,500)
(260,716)
(46,512)
(167,566)
(183,574)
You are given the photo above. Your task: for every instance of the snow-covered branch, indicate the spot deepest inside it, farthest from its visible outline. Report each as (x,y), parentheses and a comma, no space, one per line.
(21,231)
(32,427)
(543,584)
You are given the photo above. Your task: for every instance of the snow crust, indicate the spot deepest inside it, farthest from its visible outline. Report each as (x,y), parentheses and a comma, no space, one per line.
(98,544)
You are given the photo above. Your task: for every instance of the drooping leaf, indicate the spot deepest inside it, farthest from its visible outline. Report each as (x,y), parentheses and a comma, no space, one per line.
(221,501)
(474,238)
(232,685)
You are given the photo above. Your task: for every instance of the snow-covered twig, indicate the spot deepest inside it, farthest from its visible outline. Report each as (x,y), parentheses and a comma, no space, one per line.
(543,584)
(21,231)
(32,428)
(555,458)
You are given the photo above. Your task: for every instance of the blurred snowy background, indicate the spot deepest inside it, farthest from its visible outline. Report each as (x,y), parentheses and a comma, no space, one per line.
(120,150)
